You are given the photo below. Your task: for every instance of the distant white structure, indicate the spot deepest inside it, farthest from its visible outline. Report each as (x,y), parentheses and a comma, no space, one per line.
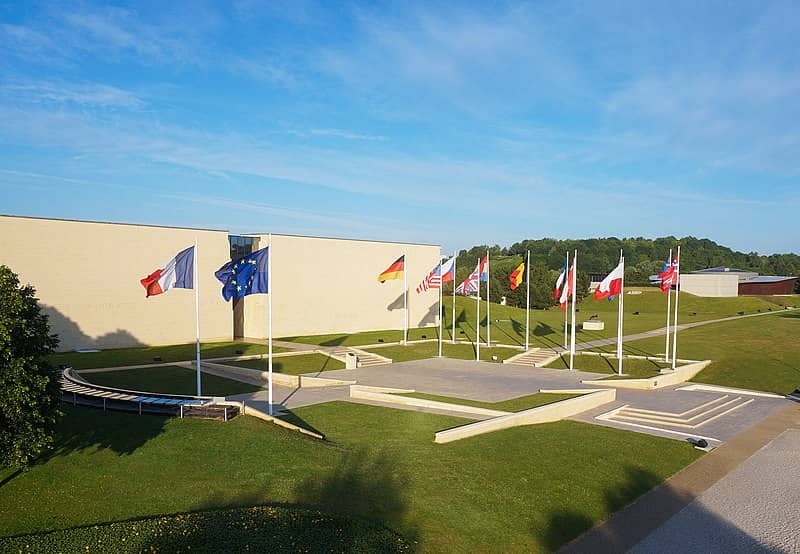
(718,285)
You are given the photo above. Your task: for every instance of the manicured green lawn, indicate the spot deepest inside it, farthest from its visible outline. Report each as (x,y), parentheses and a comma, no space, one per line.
(293,365)
(459,351)
(643,312)
(168,380)
(633,368)
(512,405)
(117,357)
(761,353)
(523,489)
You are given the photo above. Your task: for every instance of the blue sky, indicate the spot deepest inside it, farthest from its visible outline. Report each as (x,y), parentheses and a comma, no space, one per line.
(449,123)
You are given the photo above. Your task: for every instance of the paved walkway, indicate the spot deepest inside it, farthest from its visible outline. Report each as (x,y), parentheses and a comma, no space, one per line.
(775,496)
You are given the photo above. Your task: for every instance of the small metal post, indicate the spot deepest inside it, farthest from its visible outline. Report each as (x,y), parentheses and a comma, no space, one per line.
(140,408)
(74,399)
(225,412)
(104,404)
(181,411)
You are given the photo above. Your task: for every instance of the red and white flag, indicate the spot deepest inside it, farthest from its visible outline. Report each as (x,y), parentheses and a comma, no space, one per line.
(669,277)
(177,273)
(566,291)
(611,286)
(432,280)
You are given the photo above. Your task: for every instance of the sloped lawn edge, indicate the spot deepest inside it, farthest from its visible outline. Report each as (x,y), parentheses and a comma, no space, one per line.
(254,529)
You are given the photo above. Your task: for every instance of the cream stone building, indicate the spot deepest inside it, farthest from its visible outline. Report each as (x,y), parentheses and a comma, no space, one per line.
(86,276)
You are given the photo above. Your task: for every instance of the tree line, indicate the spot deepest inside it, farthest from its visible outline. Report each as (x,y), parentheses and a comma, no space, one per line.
(643,258)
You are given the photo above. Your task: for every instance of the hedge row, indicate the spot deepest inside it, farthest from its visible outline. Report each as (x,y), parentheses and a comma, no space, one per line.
(254,529)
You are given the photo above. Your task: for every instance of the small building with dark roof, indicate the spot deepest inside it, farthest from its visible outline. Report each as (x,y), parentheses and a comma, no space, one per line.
(750,282)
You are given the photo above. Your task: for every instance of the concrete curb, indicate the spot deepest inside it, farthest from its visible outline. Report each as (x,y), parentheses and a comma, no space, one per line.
(680,375)
(541,414)
(281,379)
(255,412)
(364,393)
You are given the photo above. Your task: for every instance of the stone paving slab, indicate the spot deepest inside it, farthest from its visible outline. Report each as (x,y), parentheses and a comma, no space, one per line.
(755,508)
(481,381)
(629,526)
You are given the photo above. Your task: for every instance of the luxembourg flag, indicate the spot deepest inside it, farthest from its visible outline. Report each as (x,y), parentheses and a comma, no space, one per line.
(177,273)
(484,268)
(611,286)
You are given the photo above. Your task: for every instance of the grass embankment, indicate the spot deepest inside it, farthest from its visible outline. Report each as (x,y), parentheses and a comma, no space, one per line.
(512,405)
(523,489)
(168,380)
(631,368)
(760,353)
(117,357)
(459,351)
(643,312)
(293,365)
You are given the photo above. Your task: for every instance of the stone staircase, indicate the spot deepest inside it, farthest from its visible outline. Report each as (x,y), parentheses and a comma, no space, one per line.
(534,357)
(365,359)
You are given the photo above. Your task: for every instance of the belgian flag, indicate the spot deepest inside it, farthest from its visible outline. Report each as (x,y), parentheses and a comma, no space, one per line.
(394,271)
(516,276)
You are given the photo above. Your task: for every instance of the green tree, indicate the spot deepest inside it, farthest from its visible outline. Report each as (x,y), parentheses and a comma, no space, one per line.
(29,390)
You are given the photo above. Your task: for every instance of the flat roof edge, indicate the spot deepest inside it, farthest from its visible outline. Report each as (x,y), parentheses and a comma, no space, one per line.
(113,223)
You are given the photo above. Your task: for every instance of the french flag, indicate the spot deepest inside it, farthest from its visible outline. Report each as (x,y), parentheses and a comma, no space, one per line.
(560,282)
(177,273)
(484,268)
(566,291)
(612,285)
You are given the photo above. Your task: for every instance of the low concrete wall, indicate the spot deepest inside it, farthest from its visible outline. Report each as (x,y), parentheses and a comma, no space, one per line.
(680,375)
(255,412)
(295,381)
(369,393)
(542,414)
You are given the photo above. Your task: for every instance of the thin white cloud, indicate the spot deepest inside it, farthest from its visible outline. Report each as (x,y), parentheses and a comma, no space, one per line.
(86,94)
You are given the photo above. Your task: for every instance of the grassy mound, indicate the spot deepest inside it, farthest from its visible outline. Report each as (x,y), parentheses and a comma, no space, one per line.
(254,529)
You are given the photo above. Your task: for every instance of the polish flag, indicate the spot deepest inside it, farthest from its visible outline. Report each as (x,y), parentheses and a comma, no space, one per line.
(612,285)
(177,273)
(566,291)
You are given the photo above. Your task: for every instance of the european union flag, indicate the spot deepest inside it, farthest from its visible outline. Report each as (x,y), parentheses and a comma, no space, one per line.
(247,275)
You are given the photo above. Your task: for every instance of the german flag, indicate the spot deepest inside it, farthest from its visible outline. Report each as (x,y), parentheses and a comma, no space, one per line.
(394,271)
(516,276)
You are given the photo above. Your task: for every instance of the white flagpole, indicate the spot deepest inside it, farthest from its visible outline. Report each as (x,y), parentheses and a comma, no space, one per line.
(621,312)
(574,283)
(440,306)
(669,294)
(566,312)
(269,325)
(478,318)
(488,319)
(677,295)
(405,300)
(454,299)
(197,316)
(528,300)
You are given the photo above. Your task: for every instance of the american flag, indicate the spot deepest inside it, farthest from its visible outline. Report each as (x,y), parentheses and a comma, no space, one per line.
(431,281)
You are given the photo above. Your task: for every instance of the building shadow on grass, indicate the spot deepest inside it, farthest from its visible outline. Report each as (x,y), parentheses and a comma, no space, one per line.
(86,428)
(629,525)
